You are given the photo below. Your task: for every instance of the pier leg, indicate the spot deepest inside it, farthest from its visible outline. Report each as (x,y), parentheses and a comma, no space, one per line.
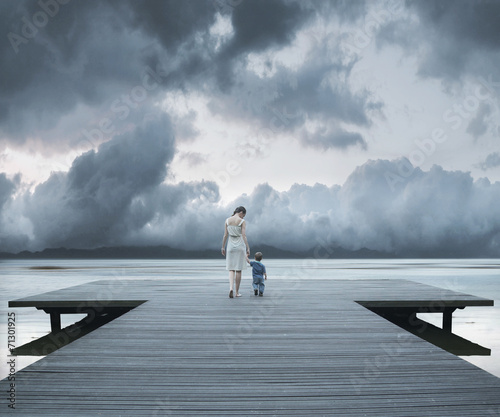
(447,316)
(55,321)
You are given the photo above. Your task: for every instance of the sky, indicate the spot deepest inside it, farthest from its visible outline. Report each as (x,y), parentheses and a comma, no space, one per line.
(359,124)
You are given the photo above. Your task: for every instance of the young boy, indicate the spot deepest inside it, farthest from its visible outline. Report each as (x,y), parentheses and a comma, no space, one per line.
(258,273)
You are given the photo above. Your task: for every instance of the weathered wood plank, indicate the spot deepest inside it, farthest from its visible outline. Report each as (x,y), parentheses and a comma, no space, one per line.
(305,348)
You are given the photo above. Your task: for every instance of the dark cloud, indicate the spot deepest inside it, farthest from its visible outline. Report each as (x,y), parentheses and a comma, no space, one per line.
(60,65)
(185,215)
(325,138)
(491,161)
(316,94)
(258,25)
(452,38)
(454,41)
(262,24)
(471,22)
(320,91)
(90,204)
(88,59)
(478,126)
(12,234)
(193,158)
(92,69)
(95,74)
(184,127)
(7,188)
(346,10)
(172,22)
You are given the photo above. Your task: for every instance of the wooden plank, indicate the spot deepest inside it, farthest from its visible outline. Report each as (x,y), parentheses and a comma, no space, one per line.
(305,348)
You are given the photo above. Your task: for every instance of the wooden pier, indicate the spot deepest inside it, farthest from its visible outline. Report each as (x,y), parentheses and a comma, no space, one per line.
(307,348)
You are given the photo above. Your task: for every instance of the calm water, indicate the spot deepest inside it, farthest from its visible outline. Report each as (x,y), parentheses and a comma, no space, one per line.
(477,277)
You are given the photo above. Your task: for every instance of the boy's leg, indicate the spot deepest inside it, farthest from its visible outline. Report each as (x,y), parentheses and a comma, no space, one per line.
(255,285)
(262,285)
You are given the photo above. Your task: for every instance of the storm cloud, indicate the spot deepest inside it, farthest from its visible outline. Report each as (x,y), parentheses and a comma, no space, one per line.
(452,39)
(7,187)
(116,197)
(92,203)
(478,126)
(87,70)
(491,161)
(433,213)
(137,94)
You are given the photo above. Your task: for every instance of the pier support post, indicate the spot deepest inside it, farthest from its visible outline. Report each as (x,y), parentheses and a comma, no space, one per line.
(55,321)
(447,317)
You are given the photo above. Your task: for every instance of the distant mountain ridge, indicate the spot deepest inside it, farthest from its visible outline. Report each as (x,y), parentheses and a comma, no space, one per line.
(166,252)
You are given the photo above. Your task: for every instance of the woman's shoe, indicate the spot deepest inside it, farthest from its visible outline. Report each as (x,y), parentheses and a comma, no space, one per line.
(238,295)
(231,294)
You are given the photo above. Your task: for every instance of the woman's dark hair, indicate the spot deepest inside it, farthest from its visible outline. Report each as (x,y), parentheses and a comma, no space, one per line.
(239,210)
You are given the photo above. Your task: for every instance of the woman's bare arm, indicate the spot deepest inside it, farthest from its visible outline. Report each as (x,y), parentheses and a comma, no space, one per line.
(224,240)
(244,236)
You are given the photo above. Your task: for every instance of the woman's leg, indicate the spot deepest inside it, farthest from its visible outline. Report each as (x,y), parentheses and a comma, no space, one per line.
(238,281)
(231,283)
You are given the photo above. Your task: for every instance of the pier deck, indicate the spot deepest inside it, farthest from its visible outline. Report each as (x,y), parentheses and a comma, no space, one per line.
(307,348)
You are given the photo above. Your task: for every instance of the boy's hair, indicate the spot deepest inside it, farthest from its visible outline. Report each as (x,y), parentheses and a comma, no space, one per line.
(258,256)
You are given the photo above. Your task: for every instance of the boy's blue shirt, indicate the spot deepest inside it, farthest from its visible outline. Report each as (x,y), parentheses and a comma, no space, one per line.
(258,269)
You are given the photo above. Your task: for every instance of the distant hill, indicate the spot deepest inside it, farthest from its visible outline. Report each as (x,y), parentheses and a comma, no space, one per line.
(120,252)
(166,252)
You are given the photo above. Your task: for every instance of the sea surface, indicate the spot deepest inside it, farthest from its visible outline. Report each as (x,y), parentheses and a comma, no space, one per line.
(479,277)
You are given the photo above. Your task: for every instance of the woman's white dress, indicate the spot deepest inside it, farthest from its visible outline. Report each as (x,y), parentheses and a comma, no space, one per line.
(236,248)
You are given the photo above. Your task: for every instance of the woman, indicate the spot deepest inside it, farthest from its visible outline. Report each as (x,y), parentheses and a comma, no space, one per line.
(235,237)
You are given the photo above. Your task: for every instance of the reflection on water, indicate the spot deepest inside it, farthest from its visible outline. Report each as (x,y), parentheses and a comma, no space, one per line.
(479,277)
